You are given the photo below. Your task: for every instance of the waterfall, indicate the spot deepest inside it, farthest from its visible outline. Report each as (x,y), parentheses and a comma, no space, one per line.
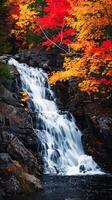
(60,138)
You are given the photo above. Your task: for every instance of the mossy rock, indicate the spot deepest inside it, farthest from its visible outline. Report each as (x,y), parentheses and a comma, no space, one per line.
(5,71)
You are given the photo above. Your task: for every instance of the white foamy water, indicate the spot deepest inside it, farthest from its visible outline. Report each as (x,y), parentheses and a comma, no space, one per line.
(57,132)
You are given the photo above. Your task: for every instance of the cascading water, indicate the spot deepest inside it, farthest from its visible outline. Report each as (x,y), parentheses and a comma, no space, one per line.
(60,138)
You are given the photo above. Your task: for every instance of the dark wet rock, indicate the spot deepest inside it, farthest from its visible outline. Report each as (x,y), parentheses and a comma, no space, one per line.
(33,58)
(15,178)
(11,144)
(28,138)
(17,182)
(17,118)
(62,95)
(5,160)
(82,168)
(11,186)
(5,58)
(33,181)
(97,140)
(18,142)
(47,60)
(8,97)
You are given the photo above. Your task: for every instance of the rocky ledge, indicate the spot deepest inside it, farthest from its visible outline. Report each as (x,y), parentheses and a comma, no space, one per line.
(20,165)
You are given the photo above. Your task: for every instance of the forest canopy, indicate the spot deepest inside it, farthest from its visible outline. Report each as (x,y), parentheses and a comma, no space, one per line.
(82,29)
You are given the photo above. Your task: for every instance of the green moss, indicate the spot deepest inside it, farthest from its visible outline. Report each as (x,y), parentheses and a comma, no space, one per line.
(5,48)
(5,71)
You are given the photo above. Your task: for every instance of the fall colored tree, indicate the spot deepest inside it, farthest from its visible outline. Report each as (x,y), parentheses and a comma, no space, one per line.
(22,14)
(90,59)
(42,21)
(53,24)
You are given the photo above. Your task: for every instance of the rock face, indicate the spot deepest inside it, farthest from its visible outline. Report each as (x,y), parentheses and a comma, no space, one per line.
(97,137)
(94,118)
(16,149)
(18,142)
(47,60)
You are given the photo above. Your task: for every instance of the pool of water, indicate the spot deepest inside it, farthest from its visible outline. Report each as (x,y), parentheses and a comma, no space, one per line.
(97,187)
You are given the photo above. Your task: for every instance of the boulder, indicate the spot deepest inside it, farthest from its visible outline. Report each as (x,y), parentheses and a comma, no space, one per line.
(16,117)
(12,145)
(33,181)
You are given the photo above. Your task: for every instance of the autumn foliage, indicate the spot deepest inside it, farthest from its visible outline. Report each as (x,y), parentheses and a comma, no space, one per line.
(83,31)
(33,19)
(21,16)
(53,23)
(90,59)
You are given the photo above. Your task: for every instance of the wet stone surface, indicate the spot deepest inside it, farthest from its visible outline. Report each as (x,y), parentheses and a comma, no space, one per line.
(97,187)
